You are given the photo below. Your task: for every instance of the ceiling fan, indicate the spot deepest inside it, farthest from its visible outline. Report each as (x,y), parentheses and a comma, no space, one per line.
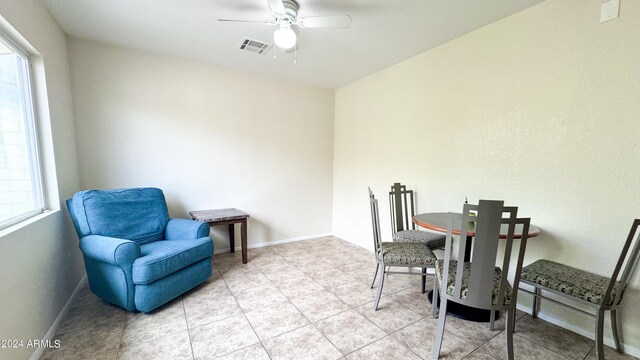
(285,15)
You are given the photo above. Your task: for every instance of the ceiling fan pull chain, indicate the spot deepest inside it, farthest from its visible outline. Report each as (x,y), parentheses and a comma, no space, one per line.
(295,55)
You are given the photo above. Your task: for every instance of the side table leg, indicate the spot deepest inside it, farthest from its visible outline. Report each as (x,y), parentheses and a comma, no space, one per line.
(243,236)
(232,239)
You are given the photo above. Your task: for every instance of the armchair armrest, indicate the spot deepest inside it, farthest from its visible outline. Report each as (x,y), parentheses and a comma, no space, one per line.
(185,229)
(119,252)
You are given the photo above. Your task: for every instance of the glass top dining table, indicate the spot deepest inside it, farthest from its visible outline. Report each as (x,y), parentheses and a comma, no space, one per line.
(440,221)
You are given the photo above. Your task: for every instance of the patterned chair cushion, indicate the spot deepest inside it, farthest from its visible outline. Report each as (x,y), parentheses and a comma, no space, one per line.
(571,281)
(465,281)
(432,240)
(416,254)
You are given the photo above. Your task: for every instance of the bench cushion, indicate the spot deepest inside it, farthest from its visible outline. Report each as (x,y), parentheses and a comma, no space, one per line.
(432,240)
(571,281)
(465,281)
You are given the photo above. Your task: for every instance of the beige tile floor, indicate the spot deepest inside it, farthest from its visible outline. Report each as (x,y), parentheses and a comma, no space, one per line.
(302,300)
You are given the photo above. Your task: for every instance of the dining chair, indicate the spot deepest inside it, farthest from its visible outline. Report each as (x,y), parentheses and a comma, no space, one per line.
(402,210)
(480,283)
(391,255)
(582,287)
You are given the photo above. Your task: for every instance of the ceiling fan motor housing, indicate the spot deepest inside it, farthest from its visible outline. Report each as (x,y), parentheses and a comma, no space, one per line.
(291,9)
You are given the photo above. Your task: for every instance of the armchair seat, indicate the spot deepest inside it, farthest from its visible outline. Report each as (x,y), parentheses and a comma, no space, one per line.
(137,257)
(161,258)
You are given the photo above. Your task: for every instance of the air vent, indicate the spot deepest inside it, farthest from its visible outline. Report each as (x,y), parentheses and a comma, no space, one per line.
(254,46)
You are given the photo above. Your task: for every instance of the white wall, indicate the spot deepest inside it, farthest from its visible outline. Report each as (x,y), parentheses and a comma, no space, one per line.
(540,109)
(40,261)
(209,137)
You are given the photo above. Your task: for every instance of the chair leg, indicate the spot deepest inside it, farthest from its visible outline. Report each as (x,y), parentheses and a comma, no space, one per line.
(534,306)
(434,298)
(599,335)
(375,305)
(492,318)
(424,280)
(614,328)
(437,342)
(509,326)
(375,275)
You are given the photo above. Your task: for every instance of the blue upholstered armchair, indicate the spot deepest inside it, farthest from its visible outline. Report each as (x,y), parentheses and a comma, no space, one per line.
(135,255)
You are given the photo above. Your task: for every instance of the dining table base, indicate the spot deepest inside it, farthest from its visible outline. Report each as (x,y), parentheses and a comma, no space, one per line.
(465,312)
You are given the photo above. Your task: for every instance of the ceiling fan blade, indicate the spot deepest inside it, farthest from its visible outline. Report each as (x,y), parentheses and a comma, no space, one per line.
(277,6)
(331,21)
(248,21)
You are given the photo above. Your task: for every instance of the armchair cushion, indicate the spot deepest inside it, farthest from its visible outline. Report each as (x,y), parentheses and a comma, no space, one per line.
(161,258)
(138,214)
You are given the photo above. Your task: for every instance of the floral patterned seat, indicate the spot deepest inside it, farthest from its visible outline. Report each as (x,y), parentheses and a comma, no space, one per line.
(432,240)
(571,281)
(465,281)
(405,253)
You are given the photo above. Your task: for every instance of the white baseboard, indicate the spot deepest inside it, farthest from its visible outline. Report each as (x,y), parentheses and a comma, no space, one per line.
(56,324)
(608,340)
(271,243)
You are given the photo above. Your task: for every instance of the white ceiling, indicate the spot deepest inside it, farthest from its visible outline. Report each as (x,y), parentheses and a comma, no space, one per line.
(383,32)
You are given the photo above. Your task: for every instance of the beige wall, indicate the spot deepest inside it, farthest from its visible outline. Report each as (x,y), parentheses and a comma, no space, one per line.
(40,261)
(209,137)
(541,109)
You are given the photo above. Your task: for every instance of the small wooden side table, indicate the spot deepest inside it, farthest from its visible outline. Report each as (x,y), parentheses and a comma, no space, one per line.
(226,217)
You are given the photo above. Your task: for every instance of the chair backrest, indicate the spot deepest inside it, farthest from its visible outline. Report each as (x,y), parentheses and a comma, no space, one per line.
(402,208)
(629,260)
(485,223)
(138,214)
(375,222)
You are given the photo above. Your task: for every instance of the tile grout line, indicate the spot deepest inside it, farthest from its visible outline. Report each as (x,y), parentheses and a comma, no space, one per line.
(184,313)
(306,317)
(249,322)
(120,339)
(245,317)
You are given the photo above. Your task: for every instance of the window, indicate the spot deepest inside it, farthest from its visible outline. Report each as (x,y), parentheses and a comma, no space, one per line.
(20,181)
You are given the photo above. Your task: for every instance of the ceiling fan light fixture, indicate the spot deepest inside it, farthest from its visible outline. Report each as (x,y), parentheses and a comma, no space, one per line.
(284,36)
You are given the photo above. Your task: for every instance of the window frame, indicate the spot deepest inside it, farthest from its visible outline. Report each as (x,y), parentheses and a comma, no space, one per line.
(31,133)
